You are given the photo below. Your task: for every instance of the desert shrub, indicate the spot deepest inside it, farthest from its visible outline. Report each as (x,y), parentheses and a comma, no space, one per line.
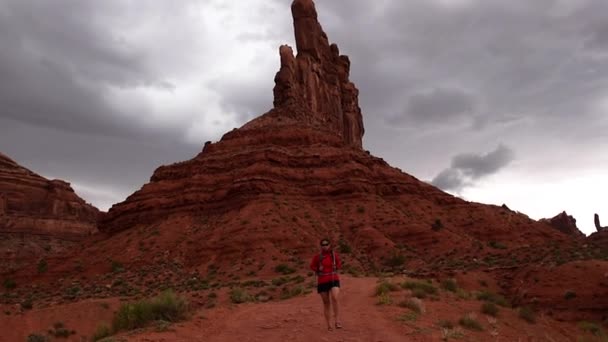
(239,295)
(117,267)
(489,309)
(437,225)
(287,293)
(444,323)
(592,328)
(27,304)
(167,306)
(569,295)
(102,332)
(384,299)
(395,260)
(42,266)
(420,289)
(493,298)
(412,304)
(284,269)
(385,287)
(344,247)
(37,338)
(527,314)
(497,245)
(9,284)
(470,323)
(449,285)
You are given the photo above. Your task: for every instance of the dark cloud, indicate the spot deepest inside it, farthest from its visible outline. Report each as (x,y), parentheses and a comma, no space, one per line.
(439,104)
(467,168)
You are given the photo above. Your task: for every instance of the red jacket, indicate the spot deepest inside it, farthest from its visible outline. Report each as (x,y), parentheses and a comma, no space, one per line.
(328,274)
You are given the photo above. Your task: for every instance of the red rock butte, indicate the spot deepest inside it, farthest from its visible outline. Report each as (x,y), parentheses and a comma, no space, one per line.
(37,214)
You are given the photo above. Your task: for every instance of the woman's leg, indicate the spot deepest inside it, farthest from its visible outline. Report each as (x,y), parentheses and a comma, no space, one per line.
(326,308)
(335,292)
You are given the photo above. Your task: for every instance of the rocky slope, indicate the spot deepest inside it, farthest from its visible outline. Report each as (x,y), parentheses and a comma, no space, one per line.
(38,216)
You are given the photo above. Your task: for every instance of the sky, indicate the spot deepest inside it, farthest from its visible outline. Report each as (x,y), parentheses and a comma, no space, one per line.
(493,101)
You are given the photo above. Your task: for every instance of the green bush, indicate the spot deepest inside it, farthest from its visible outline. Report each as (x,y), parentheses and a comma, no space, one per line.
(497,245)
(493,298)
(396,260)
(592,328)
(489,309)
(420,289)
(411,304)
(449,285)
(284,269)
(9,284)
(42,266)
(239,295)
(527,314)
(102,332)
(385,287)
(37,338)
(344,247)
(470,323)
(437,225)
(167,306)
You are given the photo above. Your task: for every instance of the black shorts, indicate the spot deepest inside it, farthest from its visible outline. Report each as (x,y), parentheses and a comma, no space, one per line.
(325,287)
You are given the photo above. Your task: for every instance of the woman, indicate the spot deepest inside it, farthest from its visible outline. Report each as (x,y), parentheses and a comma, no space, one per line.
(326,265)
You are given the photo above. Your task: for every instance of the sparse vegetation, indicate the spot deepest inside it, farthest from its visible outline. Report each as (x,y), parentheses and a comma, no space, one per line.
(385,287)
(42,266)
(497,245)
(592,328)
(239,295)
(102,332)
(396,260)
(344,247)
(569,295)
(527,314)
(444,323)
(409,316)
(9,284)
(167,306)
(284,269)
(37,338)
(420,289)
(449,285)
(412,304)
(117,267)
(493,298)
(489,309)
(437,225)
(384,299)
(469,322)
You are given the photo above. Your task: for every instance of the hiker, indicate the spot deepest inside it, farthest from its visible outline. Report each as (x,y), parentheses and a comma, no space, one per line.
(326,265)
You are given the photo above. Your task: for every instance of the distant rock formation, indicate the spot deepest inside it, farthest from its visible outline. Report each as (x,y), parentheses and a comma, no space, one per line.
(38,215)
(564,223)
(596,220)
(317,78)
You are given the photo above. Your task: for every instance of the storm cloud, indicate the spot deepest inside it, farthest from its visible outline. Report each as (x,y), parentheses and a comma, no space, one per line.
(100,93)
(467,168)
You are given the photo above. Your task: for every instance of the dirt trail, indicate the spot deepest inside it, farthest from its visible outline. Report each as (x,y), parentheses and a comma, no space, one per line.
(298,319)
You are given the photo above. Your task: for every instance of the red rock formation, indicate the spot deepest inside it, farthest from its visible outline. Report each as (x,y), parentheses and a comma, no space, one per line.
(565,224)
(317,80)
(34,212)
(598,226)
(306,152)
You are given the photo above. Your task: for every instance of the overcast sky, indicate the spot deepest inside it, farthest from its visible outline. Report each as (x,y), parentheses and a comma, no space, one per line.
(494,101)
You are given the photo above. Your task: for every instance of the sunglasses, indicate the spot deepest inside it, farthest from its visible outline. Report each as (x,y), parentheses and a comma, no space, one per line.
(324,244)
